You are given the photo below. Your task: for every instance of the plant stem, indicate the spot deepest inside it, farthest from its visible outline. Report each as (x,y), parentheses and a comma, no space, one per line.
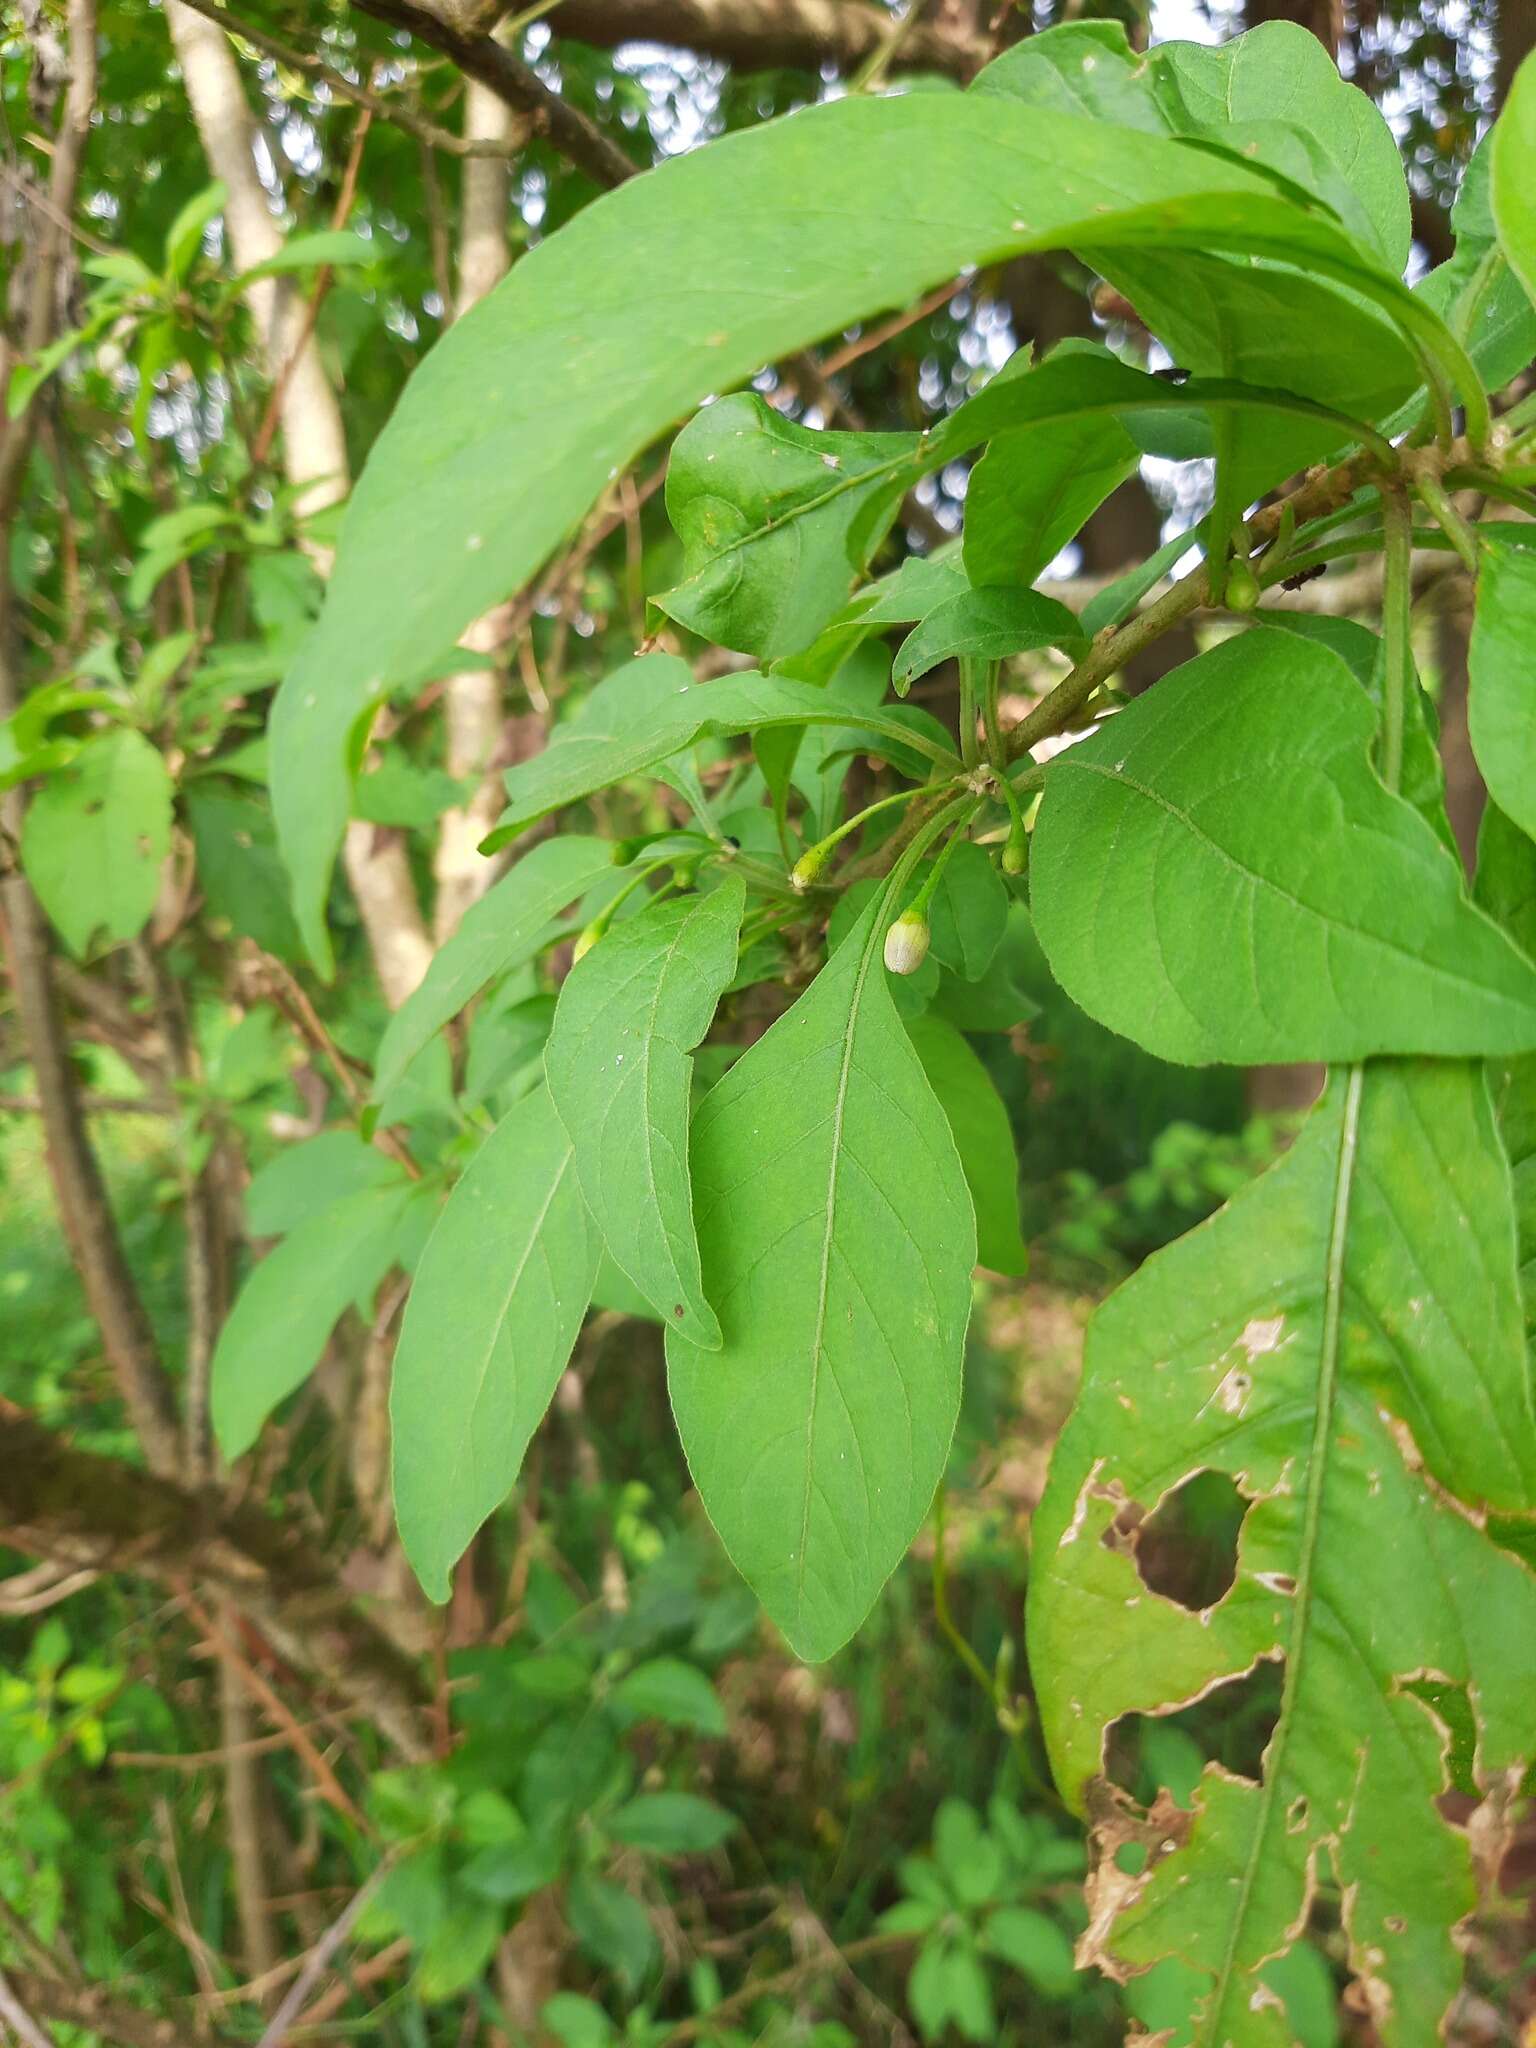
(1396,624)
(1437,500)
(970,749)
(997,750)
(841,832)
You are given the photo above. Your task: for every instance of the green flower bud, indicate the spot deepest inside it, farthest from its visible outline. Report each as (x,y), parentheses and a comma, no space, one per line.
(906,943)
(805,870)
(586,940)
(625,850)
(1242,586)
(1016,850)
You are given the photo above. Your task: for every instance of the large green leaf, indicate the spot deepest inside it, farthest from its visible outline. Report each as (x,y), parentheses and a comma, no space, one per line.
(291,1302)
(620,1068)
(978,1122)
(498,1299)
(837,1242)
(95,837)
(1233,95)
(1220,875)
(765,240)
(502,931)
(574,768)
(1514,176)
(776,521)
(1501,711)
(1344,1343)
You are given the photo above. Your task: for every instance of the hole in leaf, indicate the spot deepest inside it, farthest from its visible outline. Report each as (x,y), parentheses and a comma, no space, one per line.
(1446,1702)
(1186,1549)
(1230,1726)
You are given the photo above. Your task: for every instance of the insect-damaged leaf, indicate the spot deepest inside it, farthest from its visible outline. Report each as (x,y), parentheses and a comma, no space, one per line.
(836,1236)
(498,1299)
(1220,875)
(1344,1342)
(620,1066)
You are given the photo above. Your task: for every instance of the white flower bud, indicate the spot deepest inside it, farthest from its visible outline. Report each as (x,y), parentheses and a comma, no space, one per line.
(906,943)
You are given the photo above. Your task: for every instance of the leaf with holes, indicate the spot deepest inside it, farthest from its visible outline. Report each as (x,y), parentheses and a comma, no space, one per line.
(498,1299)
(1344,1344)
(837,1241)
(96,836)
(620,1068)
(1220,875)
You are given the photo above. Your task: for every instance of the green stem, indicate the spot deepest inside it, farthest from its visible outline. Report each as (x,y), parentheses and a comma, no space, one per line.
(1396,631)
(970,674)
(811,860)
(1437,501)
(991,724)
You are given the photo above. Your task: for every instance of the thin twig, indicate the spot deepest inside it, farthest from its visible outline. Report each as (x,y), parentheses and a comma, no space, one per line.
(19,2020)
(393,111)
(319,1957)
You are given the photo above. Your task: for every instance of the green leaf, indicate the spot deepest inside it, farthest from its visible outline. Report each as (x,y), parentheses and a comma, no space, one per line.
(184,236)
(238,865)
(776,521)
(671,1824)
(1343,1341)
(1280,73)
(620,1069)
(332,248)
(291,1302)
(504,929)
(1030,493)
(1036,1947)
(613,1926)
(1220,875)
(978,1123)
(666,1689)
(505,1872)
(574,768)
(497,449)
(1241,95)
(1506,888)
(988,625)
(969,911)
(1476,292)
(1501,711)
(306,1179)
(457,1952)
(497,1301)
(1514,176)
(577,2022)
(837,1243)
(95,838)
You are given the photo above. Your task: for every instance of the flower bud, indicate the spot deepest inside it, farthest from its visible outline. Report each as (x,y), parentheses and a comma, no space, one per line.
(1242,586)
(906,943)
(1016,850)
(587,939)
(805,870)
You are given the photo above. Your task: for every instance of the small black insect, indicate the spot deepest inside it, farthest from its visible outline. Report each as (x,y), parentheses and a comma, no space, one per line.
(1304,576)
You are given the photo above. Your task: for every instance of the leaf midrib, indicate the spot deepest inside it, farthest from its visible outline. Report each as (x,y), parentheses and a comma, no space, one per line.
(1327,1392)
(844,1073)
